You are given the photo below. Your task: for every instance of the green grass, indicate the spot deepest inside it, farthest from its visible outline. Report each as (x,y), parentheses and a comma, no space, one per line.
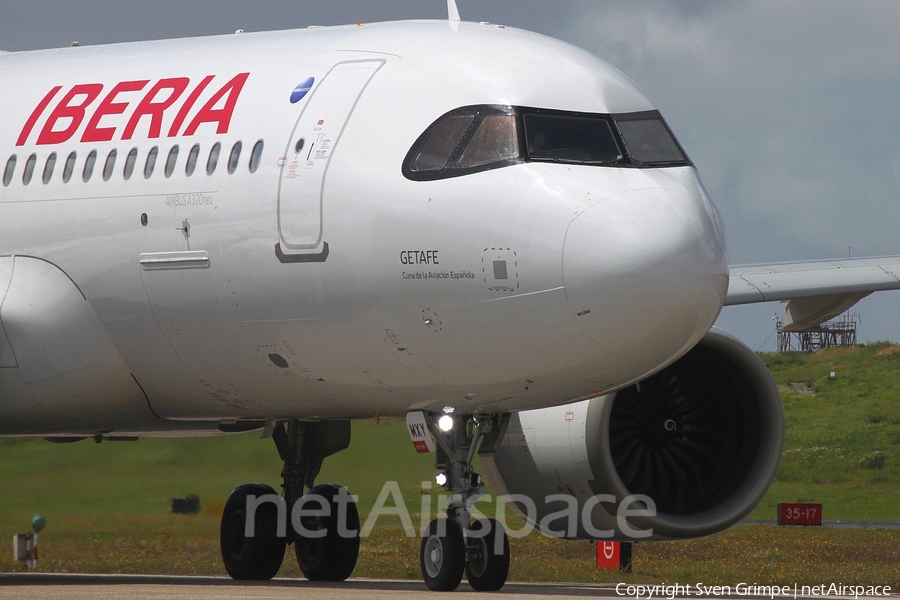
(842,446)
(138,478)
(107,505)
(177,545)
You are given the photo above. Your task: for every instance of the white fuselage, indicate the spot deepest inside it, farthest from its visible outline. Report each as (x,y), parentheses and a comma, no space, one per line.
(381,296)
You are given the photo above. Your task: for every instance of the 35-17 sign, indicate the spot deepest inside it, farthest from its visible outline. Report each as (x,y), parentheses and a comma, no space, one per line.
(799,513)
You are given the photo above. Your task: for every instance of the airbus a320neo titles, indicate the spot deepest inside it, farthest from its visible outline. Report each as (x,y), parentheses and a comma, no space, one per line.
(486,231)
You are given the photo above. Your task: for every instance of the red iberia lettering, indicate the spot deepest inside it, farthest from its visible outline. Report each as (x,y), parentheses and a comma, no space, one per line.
(188,105)
(87,93)
(109,106)
(38,110)
(210,114)
(148,106)
(165,102)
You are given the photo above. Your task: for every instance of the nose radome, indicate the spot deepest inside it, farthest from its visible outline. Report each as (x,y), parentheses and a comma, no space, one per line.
(646,272)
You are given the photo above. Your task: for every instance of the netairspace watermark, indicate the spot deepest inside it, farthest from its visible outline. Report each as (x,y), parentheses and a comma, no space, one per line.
(682,590)
(390,503)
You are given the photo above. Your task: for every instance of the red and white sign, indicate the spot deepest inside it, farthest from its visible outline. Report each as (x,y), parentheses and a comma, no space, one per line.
(418,432)
(799,513)
(608,555)
(614,555)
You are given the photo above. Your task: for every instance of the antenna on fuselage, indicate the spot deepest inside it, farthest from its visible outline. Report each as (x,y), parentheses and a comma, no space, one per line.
(452,11)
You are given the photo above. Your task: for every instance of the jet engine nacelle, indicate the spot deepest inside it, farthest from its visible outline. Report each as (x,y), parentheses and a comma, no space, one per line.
(685,453)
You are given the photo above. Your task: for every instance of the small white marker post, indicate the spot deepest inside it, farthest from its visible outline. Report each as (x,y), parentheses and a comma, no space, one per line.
(25,545)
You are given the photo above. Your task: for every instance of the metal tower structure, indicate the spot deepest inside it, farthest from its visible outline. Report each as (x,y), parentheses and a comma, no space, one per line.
(840,332)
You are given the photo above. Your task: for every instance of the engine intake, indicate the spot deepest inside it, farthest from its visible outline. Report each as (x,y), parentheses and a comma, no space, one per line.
(701,438)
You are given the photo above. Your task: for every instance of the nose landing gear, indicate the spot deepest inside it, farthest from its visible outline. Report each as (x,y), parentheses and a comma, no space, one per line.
(455,545)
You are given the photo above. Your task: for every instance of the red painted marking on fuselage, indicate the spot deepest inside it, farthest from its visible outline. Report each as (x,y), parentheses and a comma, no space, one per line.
(79,104)
(38,110)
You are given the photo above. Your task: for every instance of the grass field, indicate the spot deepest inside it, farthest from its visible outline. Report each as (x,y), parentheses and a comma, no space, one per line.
(107,505)
(754,553)
(842,445)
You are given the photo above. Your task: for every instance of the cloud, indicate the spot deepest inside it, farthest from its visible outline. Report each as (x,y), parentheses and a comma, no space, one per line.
(785,107)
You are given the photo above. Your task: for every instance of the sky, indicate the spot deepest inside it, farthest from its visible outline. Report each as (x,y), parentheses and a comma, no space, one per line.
(788,109)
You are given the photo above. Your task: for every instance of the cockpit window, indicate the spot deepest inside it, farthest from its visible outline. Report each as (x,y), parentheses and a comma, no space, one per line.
(477,138)
(464,141)
(494,140)
(440,141)
(648,139)
(571,139)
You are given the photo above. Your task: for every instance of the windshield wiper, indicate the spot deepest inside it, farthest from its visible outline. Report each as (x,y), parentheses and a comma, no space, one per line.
(576,161)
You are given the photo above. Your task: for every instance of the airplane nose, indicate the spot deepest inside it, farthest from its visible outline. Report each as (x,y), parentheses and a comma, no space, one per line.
(646,272)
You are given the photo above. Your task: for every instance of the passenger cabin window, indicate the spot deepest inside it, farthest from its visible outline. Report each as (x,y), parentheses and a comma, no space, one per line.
(110,164)
(171,160)
(485,139)
(151,162)
(256,156)
(191,163)
(69,167)
(89,163)
(10,170)
(213,159)
(234,158)
(130,161)
(48,168)
(28,173)
(477,138)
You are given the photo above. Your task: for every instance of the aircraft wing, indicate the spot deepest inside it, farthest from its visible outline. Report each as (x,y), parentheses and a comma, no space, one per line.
(816,291)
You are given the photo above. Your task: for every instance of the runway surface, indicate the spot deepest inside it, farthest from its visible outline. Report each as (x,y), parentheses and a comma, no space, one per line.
(59,586)
(22,586)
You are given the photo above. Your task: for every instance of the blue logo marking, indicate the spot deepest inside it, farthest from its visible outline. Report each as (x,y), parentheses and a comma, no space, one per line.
(302,89)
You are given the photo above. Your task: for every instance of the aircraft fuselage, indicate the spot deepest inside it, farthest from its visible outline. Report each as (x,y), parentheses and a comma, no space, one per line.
(327,283)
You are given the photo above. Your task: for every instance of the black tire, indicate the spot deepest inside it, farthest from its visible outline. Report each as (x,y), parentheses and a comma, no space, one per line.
(487,570)
(332,557)
(442,556)
(250,558)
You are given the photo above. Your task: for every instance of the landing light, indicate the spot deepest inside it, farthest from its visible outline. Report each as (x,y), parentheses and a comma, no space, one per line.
(445,423)
(441,479)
